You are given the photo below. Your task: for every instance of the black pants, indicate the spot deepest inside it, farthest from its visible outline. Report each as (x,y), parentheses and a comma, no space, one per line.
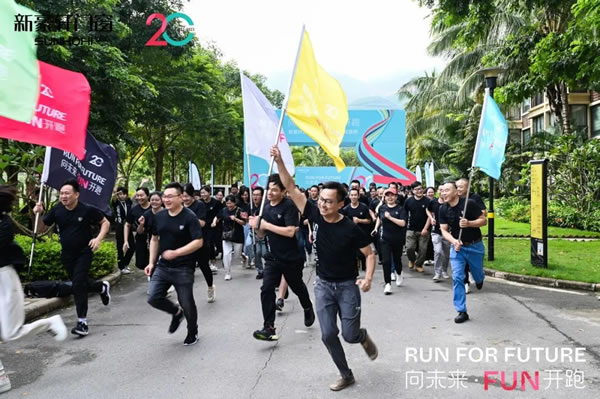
(182,278)
(292,271)
(208,233)
(142,253)
(391,251)
(78,265)
(124,258)
(202,262)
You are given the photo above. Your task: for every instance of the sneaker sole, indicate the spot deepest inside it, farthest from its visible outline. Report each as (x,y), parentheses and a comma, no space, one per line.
(261,337)
(191,343)
(106,294)
(80,333)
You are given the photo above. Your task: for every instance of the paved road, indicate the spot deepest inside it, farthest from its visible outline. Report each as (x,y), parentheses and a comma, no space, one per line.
(129,354)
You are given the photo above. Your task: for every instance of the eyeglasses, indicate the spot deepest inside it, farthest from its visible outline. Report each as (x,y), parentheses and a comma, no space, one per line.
(327,202)
(171,196)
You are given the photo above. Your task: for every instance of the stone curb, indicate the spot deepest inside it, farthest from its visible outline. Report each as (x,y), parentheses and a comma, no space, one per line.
(544,281)
(44,306)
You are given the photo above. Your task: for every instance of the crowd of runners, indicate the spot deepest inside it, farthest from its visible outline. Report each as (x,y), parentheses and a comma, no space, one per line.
(343,231)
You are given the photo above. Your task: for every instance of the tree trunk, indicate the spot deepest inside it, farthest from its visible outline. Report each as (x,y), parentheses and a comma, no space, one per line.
(558,98)
(159,165)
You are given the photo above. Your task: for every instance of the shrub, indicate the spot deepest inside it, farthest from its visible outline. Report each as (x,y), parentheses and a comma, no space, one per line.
(47,264)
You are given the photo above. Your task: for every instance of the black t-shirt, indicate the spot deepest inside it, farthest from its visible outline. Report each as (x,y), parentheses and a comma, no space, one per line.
(434,207)
(228,224)
(133,217)
(451,216)
(336,244)
(417,217)
(149,221)
(390,231)
(10,252)
(361,212)
(363,199)
(475,197)
(175,232)
(373,204)
(199,210)
(281,248)
(75,226)
(121,209)
(212,207)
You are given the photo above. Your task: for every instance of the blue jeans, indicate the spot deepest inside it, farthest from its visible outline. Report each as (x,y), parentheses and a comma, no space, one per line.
(182,278)
(473,256)
(261,250)
(341,298)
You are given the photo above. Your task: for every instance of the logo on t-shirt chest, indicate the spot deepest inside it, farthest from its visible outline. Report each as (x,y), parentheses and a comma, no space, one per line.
(278,216)
(181,227)
(79,219)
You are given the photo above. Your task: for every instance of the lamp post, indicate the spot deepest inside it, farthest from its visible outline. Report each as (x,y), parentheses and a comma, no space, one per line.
(491,76)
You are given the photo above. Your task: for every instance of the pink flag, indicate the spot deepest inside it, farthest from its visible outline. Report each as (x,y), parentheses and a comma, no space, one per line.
(61,113)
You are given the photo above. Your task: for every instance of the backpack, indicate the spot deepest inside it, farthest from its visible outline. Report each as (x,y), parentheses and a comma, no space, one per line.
(48,289)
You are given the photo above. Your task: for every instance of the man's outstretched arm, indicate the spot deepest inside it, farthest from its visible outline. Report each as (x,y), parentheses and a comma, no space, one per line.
(288,181)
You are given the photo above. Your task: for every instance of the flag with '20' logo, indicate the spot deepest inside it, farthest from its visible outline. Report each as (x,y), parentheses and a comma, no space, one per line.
(96,174)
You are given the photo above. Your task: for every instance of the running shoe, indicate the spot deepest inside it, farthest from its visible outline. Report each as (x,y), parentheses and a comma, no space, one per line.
(190,339)
(436,278)
(461,317)
(126,270)
(467,288)
(370,347)
(266,334)
(4,382)
(399,279)
(80,329)
(105,294)
(445,275)
(309,317)
(227,276)
(212,295)
(388,289)
(57,328)
(393,276)
(342,383)
(176,321)
(279,304)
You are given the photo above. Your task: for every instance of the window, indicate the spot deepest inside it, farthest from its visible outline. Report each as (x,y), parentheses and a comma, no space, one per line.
(552,119)
(514,136)
(537,99)
(537,124)
(526,105)
(579,116)
(526,136)
(595,121)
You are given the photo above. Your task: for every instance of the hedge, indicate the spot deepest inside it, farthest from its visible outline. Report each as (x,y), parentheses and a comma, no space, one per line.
(47,263)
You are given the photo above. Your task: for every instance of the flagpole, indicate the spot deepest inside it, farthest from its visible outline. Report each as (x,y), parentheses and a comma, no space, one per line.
(280,125)
(475,152)
(35,229)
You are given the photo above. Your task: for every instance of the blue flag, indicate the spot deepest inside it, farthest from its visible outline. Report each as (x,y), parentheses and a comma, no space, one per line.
(491,138)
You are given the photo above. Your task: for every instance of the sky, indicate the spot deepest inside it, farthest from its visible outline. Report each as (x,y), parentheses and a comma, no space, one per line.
(371,47)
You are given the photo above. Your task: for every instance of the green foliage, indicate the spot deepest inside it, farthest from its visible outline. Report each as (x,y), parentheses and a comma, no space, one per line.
(47,264)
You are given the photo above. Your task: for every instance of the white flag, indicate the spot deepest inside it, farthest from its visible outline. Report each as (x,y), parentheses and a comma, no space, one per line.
(427,175)
(260,125)
(194,175)
(418,174)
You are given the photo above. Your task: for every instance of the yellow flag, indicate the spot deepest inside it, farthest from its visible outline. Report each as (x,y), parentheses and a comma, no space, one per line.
(317,103)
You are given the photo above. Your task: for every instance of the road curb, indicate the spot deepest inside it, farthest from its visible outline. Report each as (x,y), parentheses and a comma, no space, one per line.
(544,281)
(44,306)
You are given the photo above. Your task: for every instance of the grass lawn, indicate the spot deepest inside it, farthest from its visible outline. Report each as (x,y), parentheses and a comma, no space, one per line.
(568,260)
(507,227)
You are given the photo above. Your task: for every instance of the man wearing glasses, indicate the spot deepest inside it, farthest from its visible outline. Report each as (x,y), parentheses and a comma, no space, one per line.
(337,289)
(418,227)
(176,236)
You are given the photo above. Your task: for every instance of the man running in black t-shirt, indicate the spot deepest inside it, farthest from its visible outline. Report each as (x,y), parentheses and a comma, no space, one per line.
(337,288)
(74,221)
(283,258)
(358,212)
(417,231)
(176,236)
(468,249)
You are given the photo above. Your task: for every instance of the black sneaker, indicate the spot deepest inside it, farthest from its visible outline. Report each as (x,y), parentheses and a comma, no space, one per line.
(266,334)
(80,329)
(105,294)
(309,317)
(461,318)
(479,285)
(176,321)
(191,339)
(279,304)
(259,276)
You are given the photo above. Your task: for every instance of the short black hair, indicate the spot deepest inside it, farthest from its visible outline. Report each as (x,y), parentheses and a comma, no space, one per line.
(355,181)
(354,189)
(205,188)
(416,184)
(145,190)
(234,185)
(259,188)
(174,185)
(450,182)
(153,193)
(71,182)
(315,186)
(276,179)
(188,188)
(339,187)
(231,198)
(392,183)
(8,195)
(122,189)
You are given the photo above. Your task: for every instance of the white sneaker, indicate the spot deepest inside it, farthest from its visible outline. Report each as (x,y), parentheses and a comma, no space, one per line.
(4,382)
(388,289)
(126,270)
(467,289)
(58,328)
(445,275)
(213,268)
(436,277)
(399,279)
(227,277)
(171,290)
(393,276)
(211,294)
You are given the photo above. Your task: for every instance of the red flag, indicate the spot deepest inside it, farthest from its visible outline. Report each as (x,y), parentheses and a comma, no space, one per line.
(61,113)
